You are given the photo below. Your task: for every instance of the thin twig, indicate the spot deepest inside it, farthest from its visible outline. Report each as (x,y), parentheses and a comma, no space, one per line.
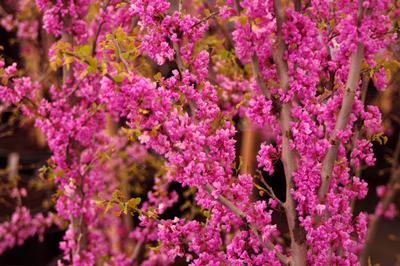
(87,63)
(136,250)
(344,114)
(297,233)
(271,191)
(228,204)
(256,69)
(205,19)
(178,57)
(177,49)
(78,223)
(120,55)
(297,5)
(96,37)
(180,5)
(237,6)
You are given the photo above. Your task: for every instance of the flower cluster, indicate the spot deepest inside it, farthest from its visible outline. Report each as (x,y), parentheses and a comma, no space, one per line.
(21,226)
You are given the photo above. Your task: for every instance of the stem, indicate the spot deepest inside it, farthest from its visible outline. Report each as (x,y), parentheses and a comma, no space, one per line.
(271,192)
(237,6)
(78,223)
(87,63)
(96,37)
(341,122)
(180,5)
(297,233)
(205,19)
(120,56)
(136,250)
(344,113)
(178,57)
(228,204)
(67,73)
(297,5)
(256,69)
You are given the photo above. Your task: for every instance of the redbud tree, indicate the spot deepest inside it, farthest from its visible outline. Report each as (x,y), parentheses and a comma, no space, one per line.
(137,97)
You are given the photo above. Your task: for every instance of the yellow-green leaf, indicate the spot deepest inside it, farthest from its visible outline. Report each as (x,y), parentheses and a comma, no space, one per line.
(133,203)
(118,78)
(84,50)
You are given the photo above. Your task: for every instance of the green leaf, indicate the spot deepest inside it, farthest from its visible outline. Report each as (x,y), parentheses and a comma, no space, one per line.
(92,67)
(242,19)
(68,60)
(380,138)
(125,55)
(43,170)
(158,76)
(84,50)
(117,195)
(260,187)
(120,35)
(125,209)
(133,202)
(118,78)
(156,248)
(207,213)
(103,68)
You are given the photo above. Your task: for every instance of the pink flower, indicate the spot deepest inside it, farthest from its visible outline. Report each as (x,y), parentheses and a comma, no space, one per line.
(266,156)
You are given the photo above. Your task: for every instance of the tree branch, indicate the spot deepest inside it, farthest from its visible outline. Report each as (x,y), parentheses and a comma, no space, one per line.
(78,223)
(341,122)
(270,192)
(205,19)
(228,204)
(297,5)
(256,69)
(297,233)
(120,55)
(178,57)
(136,250)
(96,37)
(344,113)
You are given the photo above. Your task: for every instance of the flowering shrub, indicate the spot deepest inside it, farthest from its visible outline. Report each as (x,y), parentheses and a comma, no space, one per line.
(152,83)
